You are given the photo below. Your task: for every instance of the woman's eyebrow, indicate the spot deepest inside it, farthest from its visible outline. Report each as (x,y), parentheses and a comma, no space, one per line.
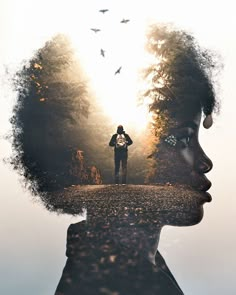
(189,124)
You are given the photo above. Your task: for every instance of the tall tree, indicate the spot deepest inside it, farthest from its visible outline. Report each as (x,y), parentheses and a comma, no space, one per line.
(180,76)
(52,97)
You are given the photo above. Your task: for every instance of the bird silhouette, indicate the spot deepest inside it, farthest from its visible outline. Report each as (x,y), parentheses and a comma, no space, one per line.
(103,52)
(103,10)
(95,30)
(125,21)
(118,71)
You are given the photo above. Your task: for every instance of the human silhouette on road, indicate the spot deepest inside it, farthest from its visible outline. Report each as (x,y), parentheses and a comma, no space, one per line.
(120,141)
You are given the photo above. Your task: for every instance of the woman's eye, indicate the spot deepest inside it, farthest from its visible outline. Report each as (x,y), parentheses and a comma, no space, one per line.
(185,141)
(184,136)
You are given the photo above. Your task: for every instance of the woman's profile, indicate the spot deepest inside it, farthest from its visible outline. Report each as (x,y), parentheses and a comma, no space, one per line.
(115,250)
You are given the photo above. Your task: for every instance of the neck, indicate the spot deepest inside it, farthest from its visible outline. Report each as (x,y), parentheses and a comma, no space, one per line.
(141,239)
(138,237)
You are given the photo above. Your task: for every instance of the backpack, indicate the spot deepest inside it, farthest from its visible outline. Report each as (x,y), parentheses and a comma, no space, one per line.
(121,143)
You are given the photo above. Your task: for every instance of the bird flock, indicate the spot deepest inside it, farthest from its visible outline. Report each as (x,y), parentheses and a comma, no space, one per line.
(96,30)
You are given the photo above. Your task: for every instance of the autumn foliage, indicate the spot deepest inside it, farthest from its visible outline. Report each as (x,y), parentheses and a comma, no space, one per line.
(179,77)
(52,101)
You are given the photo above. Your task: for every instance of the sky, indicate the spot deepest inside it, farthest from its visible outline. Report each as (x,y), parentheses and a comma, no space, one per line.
(202,257)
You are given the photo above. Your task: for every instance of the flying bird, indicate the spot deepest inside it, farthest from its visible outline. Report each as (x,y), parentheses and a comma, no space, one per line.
(118,71)
(95,30)
(103,52)
(125,21)
(103,10)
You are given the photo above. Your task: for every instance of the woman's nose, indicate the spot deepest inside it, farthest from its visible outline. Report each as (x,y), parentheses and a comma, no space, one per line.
(204,164)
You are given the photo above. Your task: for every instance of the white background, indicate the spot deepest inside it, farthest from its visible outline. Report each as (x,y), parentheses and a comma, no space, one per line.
(32,247)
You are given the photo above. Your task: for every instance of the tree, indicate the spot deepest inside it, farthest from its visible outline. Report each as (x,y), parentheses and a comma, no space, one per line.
(180,77)
(52,97)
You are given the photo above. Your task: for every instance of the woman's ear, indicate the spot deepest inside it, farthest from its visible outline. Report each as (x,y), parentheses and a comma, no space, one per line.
(208,121)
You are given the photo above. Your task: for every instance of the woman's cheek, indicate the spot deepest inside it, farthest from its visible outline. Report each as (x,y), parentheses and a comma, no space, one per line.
(188,156)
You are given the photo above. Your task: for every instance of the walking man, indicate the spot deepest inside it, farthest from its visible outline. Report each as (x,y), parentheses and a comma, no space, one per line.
(120,141)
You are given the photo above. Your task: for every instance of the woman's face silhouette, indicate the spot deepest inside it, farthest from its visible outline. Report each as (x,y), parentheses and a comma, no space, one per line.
(193,154)
(180,158)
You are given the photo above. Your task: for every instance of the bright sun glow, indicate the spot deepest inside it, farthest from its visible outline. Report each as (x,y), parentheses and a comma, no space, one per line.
(123,46)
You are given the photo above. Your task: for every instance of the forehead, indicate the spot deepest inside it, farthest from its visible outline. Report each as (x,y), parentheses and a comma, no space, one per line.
(190,121)
(187,114)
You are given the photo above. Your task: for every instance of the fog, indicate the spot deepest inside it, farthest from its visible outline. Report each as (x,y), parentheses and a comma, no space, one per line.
(60,132)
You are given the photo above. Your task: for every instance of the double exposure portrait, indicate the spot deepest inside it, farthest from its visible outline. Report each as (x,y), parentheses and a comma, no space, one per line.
(111,135)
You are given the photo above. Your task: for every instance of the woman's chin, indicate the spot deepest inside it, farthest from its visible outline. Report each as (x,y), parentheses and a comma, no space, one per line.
(185,206)
(190,218)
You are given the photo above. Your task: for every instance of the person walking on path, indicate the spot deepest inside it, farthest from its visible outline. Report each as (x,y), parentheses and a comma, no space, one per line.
(120,141)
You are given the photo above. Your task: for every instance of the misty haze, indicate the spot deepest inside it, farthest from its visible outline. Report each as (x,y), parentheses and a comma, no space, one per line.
(61,133)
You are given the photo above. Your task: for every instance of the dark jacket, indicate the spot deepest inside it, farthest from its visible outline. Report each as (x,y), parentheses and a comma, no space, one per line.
(113,140)
(97,265)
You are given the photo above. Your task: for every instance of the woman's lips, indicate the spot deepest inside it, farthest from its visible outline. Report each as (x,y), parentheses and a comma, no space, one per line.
(205,186)
(202,185)
(206,197)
